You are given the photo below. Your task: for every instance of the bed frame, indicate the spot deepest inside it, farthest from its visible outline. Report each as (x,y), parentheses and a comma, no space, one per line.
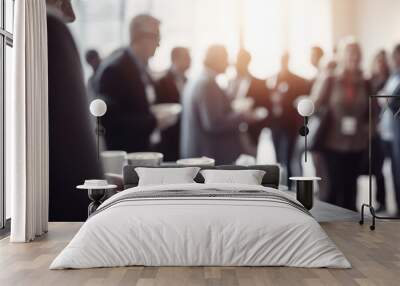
(271,178)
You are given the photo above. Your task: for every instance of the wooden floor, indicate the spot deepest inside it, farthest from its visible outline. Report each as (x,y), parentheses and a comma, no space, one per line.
(375,257)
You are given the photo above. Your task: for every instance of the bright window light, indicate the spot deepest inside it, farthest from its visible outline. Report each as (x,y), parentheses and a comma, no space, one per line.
(267,28)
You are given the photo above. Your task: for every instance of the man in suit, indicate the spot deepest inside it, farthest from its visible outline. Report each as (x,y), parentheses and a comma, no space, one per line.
(247,85)
(93,60)
(392,87)
(72,149)
(128,89)
(209,125)
(169,89)
(286,87)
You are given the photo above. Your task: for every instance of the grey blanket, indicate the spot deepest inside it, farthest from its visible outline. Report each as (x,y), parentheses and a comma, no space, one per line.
(205,194)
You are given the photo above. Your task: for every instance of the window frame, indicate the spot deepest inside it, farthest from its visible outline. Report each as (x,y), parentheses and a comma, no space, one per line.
(6,39)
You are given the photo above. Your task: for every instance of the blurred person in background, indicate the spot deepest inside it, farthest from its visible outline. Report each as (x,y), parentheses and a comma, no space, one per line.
(128,89)
(285,89)
(380,71)
(327,69)
(382,141)
(93,60)
(316,55)
(247,86)
(329,64)
(169,90)
(71,136)
(210,127)
(392,87)
(345,96)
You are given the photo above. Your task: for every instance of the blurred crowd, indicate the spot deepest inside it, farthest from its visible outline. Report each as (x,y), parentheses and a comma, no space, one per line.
(223,123)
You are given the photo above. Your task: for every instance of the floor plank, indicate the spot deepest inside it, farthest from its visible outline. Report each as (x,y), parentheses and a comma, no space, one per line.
(375,257)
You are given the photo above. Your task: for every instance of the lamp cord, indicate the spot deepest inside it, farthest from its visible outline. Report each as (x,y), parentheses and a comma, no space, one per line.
(98,138)
(305,138)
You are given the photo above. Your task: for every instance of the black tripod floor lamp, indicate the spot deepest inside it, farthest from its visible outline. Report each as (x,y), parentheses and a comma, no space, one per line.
(369,205)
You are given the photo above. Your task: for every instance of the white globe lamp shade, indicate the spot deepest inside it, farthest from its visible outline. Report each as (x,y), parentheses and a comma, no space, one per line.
(305,107)
(98,107)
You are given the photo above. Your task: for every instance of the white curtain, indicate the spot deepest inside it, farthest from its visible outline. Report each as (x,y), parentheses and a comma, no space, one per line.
(27,124)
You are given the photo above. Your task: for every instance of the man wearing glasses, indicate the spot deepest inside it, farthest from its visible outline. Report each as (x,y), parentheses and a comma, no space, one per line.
(128,89)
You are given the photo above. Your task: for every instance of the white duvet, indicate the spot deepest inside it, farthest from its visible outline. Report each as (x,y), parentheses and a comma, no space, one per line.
(200,231)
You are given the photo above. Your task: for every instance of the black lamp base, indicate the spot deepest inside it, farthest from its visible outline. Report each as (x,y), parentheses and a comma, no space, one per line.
(305,193)
(374,216)
(369,205)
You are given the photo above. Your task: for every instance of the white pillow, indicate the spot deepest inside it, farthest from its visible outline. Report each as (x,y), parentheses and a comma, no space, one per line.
(165,176)
(247,177)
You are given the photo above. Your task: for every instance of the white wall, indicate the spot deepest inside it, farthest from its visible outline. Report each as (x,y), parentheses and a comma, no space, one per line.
(375,23)
(343,19)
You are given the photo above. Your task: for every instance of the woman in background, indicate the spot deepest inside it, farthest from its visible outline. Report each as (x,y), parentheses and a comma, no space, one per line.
(345,96)
(382,141)
(380,71)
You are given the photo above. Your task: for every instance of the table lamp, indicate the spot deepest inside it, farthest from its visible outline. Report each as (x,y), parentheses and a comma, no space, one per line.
(98,108)
(305,108)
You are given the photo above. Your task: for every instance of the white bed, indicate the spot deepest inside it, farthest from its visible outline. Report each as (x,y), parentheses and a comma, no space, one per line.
(185,230)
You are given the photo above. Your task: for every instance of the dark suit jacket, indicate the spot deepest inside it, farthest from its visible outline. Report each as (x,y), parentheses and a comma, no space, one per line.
(128,121)
(395,107)
(209,125)
(167,92)
(259,92)
(73,156)
(290,121)
(395,91)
